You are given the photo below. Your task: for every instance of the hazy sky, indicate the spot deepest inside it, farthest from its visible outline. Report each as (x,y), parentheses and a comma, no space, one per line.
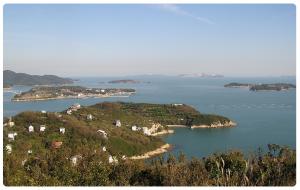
(97,40)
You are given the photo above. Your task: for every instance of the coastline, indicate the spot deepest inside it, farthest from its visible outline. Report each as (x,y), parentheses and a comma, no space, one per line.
(213,125)
(216,125)
(163,132)
(164,148)
(69,97)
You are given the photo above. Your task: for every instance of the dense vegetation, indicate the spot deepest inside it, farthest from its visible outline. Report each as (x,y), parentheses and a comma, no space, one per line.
(35,161)
(166,114)
(13,78)
(275,168)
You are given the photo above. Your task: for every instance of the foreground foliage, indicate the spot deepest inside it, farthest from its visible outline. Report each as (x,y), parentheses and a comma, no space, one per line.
(277,167)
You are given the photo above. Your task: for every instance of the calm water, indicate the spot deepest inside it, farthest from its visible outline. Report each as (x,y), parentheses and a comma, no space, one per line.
(262,117)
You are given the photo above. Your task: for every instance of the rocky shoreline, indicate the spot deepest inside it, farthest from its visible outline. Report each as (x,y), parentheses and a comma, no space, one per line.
(213,125)
(164,148)
(216,125)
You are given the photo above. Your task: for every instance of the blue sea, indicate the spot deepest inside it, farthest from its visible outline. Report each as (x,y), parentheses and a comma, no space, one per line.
(262,117)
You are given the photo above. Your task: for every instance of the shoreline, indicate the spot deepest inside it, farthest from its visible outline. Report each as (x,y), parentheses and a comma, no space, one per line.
(163,132)
(213,125)
(71,97)
(164,148)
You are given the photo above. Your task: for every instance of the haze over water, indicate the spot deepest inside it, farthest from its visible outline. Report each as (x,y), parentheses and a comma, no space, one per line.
(262,117)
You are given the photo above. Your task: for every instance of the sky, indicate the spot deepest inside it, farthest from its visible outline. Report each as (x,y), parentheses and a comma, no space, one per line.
(136,39)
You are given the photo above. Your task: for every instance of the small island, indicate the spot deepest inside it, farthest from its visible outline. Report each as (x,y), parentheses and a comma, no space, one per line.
(124,81)
(262,87)
(64,92)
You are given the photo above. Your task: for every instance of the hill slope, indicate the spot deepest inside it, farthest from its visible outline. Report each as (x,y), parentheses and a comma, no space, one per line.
(13,78)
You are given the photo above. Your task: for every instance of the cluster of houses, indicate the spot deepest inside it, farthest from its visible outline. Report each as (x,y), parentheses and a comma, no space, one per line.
(145,130)
(73,108)
(58,144)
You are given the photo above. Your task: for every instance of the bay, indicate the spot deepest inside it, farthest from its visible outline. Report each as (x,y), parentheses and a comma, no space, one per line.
(262,117)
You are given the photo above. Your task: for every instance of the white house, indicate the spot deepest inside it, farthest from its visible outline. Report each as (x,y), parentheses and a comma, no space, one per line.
(11,136)
(89,117)
(8,148)
(69,111)
(146,131)
(118,123)
(44,111)
(75,159)
(11,123)
(177,104)
(112,159)
(42,128)
(29,151)
(62,130)
(103,133)
(15,133)
(102,90)
(104,149)
(134,128)
(24,161)
(31,128)
(76,106)
(124,157)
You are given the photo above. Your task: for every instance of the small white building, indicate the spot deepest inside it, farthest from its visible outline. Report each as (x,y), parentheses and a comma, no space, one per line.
(44,111)
(146,131)
(23,162)
(102,90)
(89,117)
(177,104)
(104,134)
(42,128)
(15,133)
(69,111)
(112,159)
(8,148)
(124,157)
(134,128)
(104,149)
(11,123)
(62,130)
(76,106)
(11,136)
(75,159)
(118,123)
(29,151)
(31,128)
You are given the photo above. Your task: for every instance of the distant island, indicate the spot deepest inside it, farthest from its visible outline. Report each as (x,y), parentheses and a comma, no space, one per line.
(11,78)
(202,75)
(260,87)
(63,92)
(124,81)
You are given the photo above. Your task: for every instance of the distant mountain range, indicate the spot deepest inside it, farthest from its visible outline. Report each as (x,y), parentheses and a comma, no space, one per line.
(11,78)
(203,75)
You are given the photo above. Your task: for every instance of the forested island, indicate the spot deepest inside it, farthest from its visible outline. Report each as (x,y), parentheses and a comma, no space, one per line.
(124,81)
(259,87)
(63,92)
(105,144)
(12,78)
